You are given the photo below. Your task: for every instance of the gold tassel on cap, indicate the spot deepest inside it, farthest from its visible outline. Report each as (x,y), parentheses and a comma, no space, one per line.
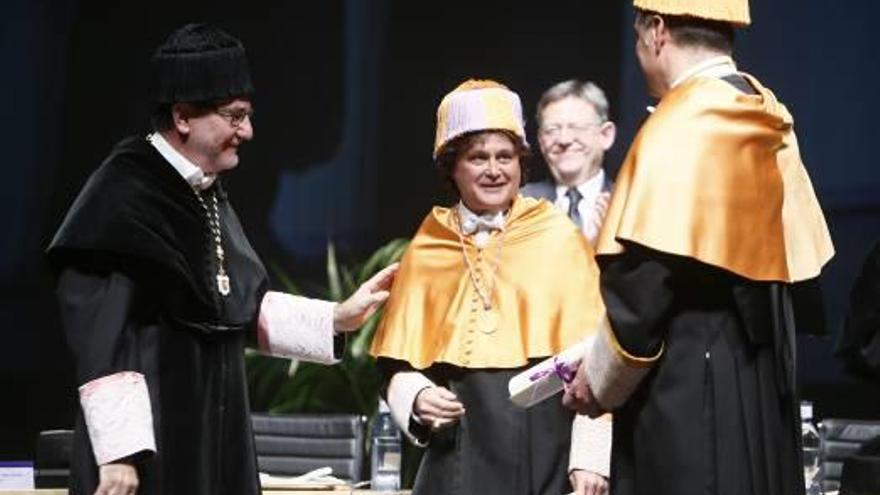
(735,12)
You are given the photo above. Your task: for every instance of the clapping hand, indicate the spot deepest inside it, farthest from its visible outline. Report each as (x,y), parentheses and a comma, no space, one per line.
(600,209)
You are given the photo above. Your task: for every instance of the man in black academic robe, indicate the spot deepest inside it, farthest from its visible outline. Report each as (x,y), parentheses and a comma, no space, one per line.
(859,342)
(712,230)
(160,291)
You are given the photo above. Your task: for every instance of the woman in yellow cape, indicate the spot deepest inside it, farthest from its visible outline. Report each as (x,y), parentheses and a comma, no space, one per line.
(487,288)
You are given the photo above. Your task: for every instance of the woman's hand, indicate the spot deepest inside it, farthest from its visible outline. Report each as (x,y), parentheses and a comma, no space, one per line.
(437,407)
(587,482)
(117,478)
(351,314)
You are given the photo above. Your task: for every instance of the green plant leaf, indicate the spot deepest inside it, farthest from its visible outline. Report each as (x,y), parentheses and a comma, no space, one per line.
(384,256)
(348,284)
(360,343)
(333,281)
(352,386)
(285,280)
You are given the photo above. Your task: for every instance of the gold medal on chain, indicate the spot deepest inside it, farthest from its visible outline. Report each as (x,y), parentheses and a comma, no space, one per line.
(223,285)
(488,319)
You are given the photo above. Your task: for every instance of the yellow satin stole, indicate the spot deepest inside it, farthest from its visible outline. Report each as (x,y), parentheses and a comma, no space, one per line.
(546,292)
(716,175)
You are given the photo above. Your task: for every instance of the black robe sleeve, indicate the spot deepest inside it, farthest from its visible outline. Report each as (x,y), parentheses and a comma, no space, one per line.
(95,309)
(637,289)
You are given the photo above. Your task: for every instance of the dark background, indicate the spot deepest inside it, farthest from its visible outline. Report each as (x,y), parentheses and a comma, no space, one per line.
(346,95)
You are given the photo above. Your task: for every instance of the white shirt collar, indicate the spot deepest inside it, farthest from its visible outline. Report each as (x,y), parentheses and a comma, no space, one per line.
(589,190)
(193,175)
(719,66)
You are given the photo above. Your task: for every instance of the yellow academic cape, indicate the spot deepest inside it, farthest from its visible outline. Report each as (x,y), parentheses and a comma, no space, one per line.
(716,175)
(547,292)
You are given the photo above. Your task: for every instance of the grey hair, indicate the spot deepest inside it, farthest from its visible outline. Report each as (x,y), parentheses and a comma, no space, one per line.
(585,90)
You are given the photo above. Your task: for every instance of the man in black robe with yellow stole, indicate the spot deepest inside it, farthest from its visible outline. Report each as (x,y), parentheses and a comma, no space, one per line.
(160,291)
(712,228)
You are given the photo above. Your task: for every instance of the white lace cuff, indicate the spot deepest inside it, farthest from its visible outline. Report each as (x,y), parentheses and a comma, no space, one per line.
(296,327)
(402,391)
(118,416)
(591,444)
(614,374)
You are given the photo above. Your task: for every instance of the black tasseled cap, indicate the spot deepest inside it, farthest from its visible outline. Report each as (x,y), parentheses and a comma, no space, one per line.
(200,63)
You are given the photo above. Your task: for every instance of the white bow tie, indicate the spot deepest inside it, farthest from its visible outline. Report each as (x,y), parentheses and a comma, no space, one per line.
(472,223)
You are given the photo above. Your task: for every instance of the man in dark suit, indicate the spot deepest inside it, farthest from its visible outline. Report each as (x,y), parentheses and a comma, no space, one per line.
(574,133)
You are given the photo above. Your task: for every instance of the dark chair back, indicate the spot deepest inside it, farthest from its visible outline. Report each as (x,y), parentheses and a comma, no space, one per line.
(52,463)
(841,439)
(293,444)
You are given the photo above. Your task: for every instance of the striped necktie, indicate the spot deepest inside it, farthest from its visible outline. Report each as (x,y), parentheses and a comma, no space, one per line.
(574,199)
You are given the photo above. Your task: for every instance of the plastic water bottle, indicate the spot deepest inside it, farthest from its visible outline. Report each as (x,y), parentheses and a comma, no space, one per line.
(386,453)
(811,445)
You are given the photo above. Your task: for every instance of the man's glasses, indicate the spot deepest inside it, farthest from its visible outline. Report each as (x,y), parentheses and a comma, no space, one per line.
(554,130)
(235,117)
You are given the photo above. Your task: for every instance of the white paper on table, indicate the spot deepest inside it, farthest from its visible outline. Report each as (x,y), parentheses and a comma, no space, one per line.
(17,475)
(542,380)
(320,477)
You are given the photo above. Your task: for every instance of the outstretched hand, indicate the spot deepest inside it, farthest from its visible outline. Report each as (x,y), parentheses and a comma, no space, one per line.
(587,482)
(352,313)
(117,478)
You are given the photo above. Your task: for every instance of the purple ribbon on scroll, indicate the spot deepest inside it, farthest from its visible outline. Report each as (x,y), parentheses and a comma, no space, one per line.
(565,372)
(547,377)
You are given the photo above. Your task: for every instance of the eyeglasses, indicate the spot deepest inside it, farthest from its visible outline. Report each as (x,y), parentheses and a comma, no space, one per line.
(235,117)
(553,130)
